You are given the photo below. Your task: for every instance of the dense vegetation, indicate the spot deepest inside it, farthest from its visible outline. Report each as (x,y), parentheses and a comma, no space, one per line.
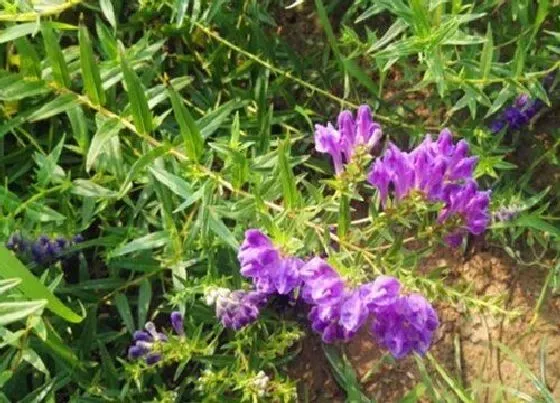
(140,142)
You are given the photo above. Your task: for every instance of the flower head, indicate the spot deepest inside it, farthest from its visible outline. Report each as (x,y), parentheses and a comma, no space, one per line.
(261,261)
(442,172)
(406,326)
(342,142)
(240,308)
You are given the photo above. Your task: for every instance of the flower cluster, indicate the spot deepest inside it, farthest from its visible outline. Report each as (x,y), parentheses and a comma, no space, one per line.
(261,262)
(442,172)
(337,311)
(523,109)
(402,324)
(145,341)
(236,309)
(518,114)
(44,250)
(342,142)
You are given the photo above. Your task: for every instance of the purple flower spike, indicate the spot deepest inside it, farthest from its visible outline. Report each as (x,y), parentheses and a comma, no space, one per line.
(407,325)
(177,322)
(327,140)
(342,142)
(443,172)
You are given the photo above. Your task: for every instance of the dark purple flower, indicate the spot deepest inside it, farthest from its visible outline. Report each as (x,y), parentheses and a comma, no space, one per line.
(522,110)
(236,309)
(406,326)
(342,142)
(177,322)
(145,340)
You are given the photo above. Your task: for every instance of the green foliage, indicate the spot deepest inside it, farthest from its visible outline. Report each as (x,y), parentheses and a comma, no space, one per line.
(162,130)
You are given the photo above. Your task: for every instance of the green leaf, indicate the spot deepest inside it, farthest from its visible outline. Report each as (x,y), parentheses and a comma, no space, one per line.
(487,54)
(87,188)
(8,284)
(141,113)
(17,31)
(150,241)
(14,87)
(58,105)
(79,127)
(176,184)
(90,71)
(121,302)
(192,138)
(287,176)
(144,298)
(105,132)
(142,163)
(109,12)
(30,62)
(345,375)
(55,56)
(222,231)
(13,311)
(31,287)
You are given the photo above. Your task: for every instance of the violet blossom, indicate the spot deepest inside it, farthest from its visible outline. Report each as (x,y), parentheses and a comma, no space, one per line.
(342,142)
(236,309)
(262,262)
(145,342)
(442,172)
(522,110)
(406,326)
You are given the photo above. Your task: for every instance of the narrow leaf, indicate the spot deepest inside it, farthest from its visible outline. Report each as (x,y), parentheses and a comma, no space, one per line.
(55,56)
(123,307)
(31,287)
(109,12)
(137,97)
(287,176)
(150,241)
(105,132)
(90,71)
(58,105)
(11,312)
(487,54)
(192,137)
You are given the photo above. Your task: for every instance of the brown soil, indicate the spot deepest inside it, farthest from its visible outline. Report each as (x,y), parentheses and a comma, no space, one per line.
(466,342)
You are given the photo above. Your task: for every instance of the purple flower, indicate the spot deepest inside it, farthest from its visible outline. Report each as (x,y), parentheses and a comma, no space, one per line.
(522,110)
(322,284)
(406,326)
(145,341)
(380,293)
(342,142)
(43,251)
(261,261)
(237,309)
(442,172)
(177,323)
